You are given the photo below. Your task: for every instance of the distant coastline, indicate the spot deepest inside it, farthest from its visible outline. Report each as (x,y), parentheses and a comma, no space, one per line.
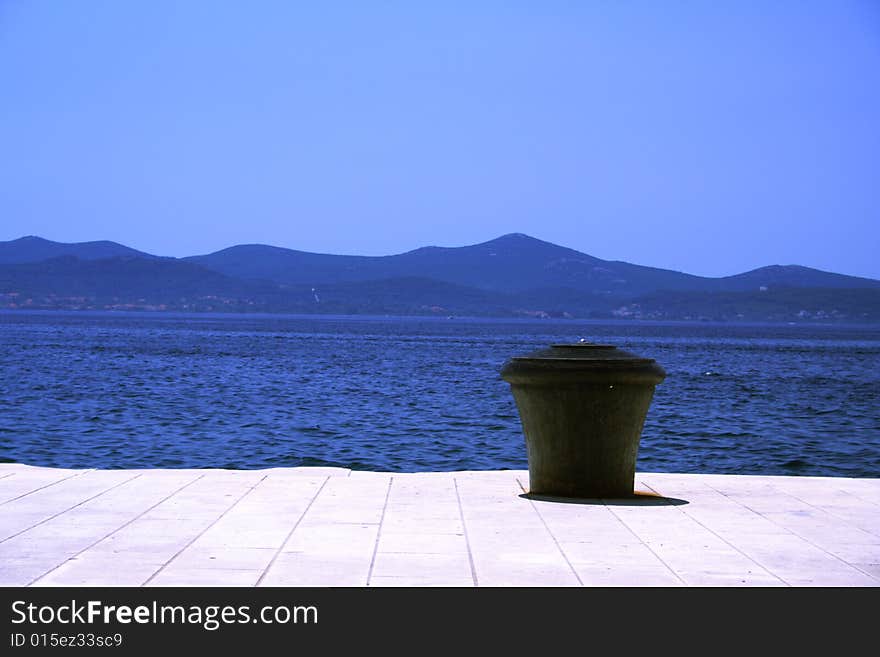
(512,276)
(364,317)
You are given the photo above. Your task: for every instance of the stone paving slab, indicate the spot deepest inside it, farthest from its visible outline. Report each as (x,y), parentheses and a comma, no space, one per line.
(335,527)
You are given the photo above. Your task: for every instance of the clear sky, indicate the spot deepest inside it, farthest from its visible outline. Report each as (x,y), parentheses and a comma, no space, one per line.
(709,137)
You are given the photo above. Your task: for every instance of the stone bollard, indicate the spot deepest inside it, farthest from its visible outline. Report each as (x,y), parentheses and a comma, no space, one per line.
(582,408)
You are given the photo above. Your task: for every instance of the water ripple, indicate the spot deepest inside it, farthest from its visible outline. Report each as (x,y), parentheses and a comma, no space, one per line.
(143,391)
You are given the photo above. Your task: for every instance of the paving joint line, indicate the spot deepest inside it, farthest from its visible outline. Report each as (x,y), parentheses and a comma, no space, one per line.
(60,513)
(859,497)
(794,533)
(290,533)
(467,540)
(57,481)
(721,538)
(118,529)
(202,533)
(832,514)
(379,531)
(552,535)
(648,547)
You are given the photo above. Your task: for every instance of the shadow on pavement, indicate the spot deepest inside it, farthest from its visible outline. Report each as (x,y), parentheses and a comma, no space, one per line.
(638,498)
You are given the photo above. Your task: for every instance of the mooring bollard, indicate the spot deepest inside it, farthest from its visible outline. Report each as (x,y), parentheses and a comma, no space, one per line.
(582,408)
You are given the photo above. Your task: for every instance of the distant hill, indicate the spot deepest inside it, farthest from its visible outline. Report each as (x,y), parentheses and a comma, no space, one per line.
(777,276)
(36,249)
(511,264)
(69,282)
(513,275)
(169,284)
(775,304)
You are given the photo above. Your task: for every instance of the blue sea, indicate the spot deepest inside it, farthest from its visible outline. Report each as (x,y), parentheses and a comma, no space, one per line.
(160,390)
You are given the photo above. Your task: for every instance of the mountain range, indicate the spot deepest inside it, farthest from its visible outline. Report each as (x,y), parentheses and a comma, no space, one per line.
(513,275)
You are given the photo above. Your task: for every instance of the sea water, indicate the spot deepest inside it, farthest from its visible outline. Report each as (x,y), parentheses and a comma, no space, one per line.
(160,390)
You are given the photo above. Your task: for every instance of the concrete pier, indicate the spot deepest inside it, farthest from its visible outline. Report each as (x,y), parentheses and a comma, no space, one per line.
(333,527)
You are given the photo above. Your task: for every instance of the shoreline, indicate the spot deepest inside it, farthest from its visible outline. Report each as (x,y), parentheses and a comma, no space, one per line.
(439,318)
(403,473)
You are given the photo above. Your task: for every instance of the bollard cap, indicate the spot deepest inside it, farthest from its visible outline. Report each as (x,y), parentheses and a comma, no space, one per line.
(582,361)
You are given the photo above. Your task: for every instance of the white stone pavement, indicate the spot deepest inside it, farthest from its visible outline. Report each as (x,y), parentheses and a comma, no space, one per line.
(335,527)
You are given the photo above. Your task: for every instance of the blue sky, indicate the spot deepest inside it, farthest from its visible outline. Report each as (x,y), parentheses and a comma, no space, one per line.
(707,137)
